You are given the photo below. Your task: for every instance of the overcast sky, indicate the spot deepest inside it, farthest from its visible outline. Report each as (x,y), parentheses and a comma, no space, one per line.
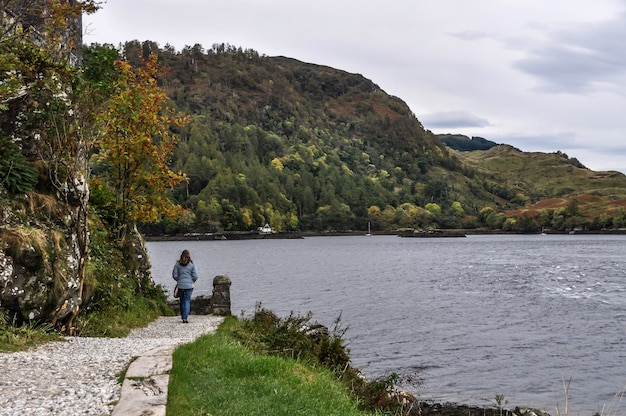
(541,75)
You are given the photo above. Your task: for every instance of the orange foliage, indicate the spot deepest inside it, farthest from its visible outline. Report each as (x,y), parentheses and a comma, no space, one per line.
(137,145)
(588,205)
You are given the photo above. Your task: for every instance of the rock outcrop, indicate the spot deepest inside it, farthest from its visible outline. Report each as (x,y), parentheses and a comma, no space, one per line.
(44,243)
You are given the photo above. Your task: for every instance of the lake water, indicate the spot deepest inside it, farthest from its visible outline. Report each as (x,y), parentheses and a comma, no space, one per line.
(475,317)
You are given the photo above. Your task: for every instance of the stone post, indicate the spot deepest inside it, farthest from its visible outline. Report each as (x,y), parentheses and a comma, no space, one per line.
(220,301)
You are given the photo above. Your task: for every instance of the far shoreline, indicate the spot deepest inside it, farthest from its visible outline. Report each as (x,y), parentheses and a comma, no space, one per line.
(255,235)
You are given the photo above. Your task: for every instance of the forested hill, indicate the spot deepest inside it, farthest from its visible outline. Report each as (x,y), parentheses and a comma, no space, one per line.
(303,146)
(464,143)
(302,104)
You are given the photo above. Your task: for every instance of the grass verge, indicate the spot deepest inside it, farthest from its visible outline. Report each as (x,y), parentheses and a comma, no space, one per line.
(217,375)
(19,338)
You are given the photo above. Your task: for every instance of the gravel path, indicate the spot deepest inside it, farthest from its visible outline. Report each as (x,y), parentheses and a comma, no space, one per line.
(78,376)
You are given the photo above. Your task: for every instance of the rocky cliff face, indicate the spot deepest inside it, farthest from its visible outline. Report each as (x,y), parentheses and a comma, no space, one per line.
(44,237)
(44,240)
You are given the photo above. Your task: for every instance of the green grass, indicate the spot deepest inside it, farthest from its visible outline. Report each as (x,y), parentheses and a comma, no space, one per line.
(136,314)
(19,338)
(216,375)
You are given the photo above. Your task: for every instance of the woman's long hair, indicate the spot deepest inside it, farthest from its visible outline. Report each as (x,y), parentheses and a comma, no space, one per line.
(185,258)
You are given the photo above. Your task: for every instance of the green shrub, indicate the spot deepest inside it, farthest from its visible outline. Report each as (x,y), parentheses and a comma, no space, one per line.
(16,173)
(117,294)
(295,337)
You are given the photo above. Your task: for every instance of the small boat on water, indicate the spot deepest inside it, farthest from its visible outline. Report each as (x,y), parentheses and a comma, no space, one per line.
(430,233)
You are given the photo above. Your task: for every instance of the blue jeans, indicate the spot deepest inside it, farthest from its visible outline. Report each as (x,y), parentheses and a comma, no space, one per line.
(185,302)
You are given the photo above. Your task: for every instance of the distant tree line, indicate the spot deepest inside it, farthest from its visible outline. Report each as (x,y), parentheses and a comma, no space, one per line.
(466,144)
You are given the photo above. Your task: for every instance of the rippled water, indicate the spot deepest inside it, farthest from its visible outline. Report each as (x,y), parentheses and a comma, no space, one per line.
(475,317)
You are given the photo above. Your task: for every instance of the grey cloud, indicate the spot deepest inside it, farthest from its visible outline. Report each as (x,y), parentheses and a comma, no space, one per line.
(472,35)
(452,119)
(580,59)
(565,141)
(548,142)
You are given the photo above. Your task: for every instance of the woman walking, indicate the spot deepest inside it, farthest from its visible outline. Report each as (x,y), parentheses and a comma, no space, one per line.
(185,274)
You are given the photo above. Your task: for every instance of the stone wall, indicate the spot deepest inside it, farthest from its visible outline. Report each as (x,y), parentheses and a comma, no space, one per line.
(217,304)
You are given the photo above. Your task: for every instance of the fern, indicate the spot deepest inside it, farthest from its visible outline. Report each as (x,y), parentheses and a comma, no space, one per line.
(16,173)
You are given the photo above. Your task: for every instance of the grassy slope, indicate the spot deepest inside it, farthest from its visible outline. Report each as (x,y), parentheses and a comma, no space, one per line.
(243,370)
(217,376)
(550,181)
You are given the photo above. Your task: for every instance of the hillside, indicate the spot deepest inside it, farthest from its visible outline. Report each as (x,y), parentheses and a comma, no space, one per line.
(549,181)
(307,147)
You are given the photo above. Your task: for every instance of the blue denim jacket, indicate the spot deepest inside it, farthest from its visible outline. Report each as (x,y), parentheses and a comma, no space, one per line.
(185,275)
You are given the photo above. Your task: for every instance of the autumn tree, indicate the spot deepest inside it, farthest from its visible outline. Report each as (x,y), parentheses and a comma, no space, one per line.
(136,147)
